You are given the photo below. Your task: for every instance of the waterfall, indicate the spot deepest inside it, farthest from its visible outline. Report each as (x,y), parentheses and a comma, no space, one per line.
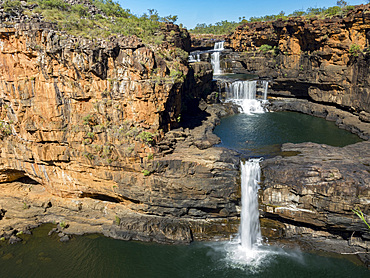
(265,89)
(215,57)
(194,57)
(243,93)
(249,231)
(219,46)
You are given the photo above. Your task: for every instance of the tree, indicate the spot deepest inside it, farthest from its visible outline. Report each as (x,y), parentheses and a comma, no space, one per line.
(342,3)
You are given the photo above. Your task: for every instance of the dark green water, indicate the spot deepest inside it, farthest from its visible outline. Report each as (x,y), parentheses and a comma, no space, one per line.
(96,256)
(262,134)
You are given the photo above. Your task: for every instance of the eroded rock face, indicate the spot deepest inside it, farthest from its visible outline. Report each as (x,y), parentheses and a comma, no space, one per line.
(88,120)
(313,58)
(313,194)
(205,41)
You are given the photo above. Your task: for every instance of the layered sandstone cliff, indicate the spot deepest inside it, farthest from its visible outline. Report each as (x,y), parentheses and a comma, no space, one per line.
(324,60)
(92,123)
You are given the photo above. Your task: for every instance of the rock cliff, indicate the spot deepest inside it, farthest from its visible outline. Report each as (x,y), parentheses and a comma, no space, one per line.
(315,192)
(321,68)
(323,60)
(93,124)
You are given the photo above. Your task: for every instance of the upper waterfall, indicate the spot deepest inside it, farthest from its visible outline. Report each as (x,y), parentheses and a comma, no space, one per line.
(215,57)
(219,46)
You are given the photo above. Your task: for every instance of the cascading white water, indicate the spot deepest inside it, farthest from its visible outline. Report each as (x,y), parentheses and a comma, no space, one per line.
(243,93)
(194,57)
(219,46)
(215,57)
(247,249)
(265,90)
(250,231)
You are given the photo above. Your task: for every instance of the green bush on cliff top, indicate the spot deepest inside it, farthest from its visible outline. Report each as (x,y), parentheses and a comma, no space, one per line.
(113,19)
(10,5)
(225,27)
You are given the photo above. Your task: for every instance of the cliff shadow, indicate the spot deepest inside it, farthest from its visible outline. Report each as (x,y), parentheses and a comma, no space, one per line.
(193,114)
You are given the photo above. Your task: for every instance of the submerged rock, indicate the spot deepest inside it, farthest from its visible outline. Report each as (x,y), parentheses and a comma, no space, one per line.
(64,238)
(13,239)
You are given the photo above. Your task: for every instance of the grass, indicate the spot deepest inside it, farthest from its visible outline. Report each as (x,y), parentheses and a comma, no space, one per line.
(360,214)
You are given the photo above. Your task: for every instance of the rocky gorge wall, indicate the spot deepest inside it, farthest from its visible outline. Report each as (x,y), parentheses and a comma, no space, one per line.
(323,60)
(319,67)
(92,123)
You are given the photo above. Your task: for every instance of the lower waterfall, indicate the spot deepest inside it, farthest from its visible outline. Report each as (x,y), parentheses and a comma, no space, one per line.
(246,250)
(250,231)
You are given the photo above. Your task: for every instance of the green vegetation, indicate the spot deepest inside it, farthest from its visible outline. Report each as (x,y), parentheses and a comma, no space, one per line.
(117,220)
(114,20)
(360,214)
(219,28)
(5,129)
(63,224)
(90,135)
(88,120)
(145,172)
(146,137)
(225,27)
(354,50)
(265,48)
(150,156)
(10,5)
(88,155)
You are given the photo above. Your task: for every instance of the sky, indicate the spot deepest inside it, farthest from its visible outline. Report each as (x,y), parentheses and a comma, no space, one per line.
(191,12)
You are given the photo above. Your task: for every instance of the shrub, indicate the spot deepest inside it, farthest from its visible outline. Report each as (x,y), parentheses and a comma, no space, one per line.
(145,172)
(63,224)
(88,120)
(10,5)
(332,11)
(354,49)
(88,155)
(5,129)
(265,48)
(146,137)
(77,21)
(90,135)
